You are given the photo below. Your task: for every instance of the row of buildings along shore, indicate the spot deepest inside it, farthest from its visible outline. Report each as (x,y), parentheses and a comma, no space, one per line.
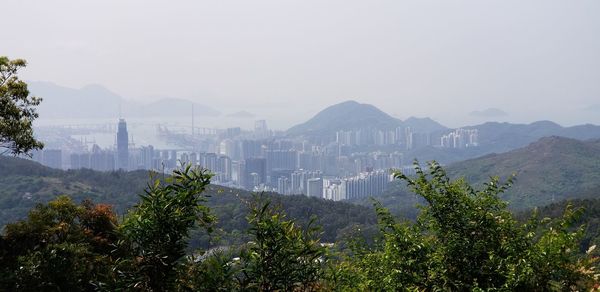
(261,161)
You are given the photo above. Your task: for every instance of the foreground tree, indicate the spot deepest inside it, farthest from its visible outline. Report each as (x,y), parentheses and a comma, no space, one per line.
(156,231)
(280,256)
(466,239)
(17,110)
(61,246)
(463,240)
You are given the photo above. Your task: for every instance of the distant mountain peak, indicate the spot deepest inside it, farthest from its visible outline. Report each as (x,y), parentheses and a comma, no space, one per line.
(352,115)
(347,115)
(352,105)
(489,113)
(417,119)
(97,101)
(426,125)
(348,102)
(546,123)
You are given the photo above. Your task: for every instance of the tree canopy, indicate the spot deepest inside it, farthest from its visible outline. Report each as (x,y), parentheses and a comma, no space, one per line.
(465,239)
(17,110)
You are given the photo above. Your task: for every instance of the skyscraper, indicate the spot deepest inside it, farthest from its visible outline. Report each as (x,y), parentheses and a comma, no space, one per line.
(122,146)
(52,158)
(256,166)
(314,187)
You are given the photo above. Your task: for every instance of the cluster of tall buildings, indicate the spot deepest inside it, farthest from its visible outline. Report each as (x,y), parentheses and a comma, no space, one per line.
(338,169)
(49,157)
(313,184)
(298,182)
(251,173)
(403,136)
(460,138)
(364,185)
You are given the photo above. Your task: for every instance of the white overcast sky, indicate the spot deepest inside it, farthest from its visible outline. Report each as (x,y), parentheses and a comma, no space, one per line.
(443,59)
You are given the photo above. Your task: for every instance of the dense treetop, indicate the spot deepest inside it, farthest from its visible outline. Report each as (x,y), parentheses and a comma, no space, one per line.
(17,110)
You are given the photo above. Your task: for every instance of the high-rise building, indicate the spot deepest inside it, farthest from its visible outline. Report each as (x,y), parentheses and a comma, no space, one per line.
(460,138)
(233,132)
(52,158)
(219,165)
(254,169)
(122,146)
(331,189)
(299,180)
(223,171)
(315,187)
(283,185)
(408,136)
(260,126)
(102,160)
(281,159)
(75,161)
(147,156)
(80,160)
(361,186)
(249,149)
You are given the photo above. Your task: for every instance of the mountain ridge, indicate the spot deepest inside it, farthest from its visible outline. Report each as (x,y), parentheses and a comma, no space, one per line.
(502,137)
(352,115)
(547,170)
(97,101)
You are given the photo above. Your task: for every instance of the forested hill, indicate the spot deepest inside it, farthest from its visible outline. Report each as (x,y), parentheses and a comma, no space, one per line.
(24,183)
(549,170)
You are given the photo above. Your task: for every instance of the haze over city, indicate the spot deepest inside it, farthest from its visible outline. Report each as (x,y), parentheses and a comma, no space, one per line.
(460,62)
(268,145)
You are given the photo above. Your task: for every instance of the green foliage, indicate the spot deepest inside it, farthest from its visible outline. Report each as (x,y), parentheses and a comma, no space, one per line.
(590,219)
(158,228)
(398,260)
(216,270)
(549,170)
(466,239)
(463,239)
(17,110)
(281,256)
(67,247)
(61,246)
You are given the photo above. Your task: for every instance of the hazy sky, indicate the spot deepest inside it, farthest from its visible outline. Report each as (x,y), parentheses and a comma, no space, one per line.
(443,59)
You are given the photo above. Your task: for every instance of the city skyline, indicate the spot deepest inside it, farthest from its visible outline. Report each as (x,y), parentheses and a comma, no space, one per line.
(258,160)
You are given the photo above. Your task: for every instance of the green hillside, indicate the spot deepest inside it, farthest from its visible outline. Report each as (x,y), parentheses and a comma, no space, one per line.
(549,170)
(24,183)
